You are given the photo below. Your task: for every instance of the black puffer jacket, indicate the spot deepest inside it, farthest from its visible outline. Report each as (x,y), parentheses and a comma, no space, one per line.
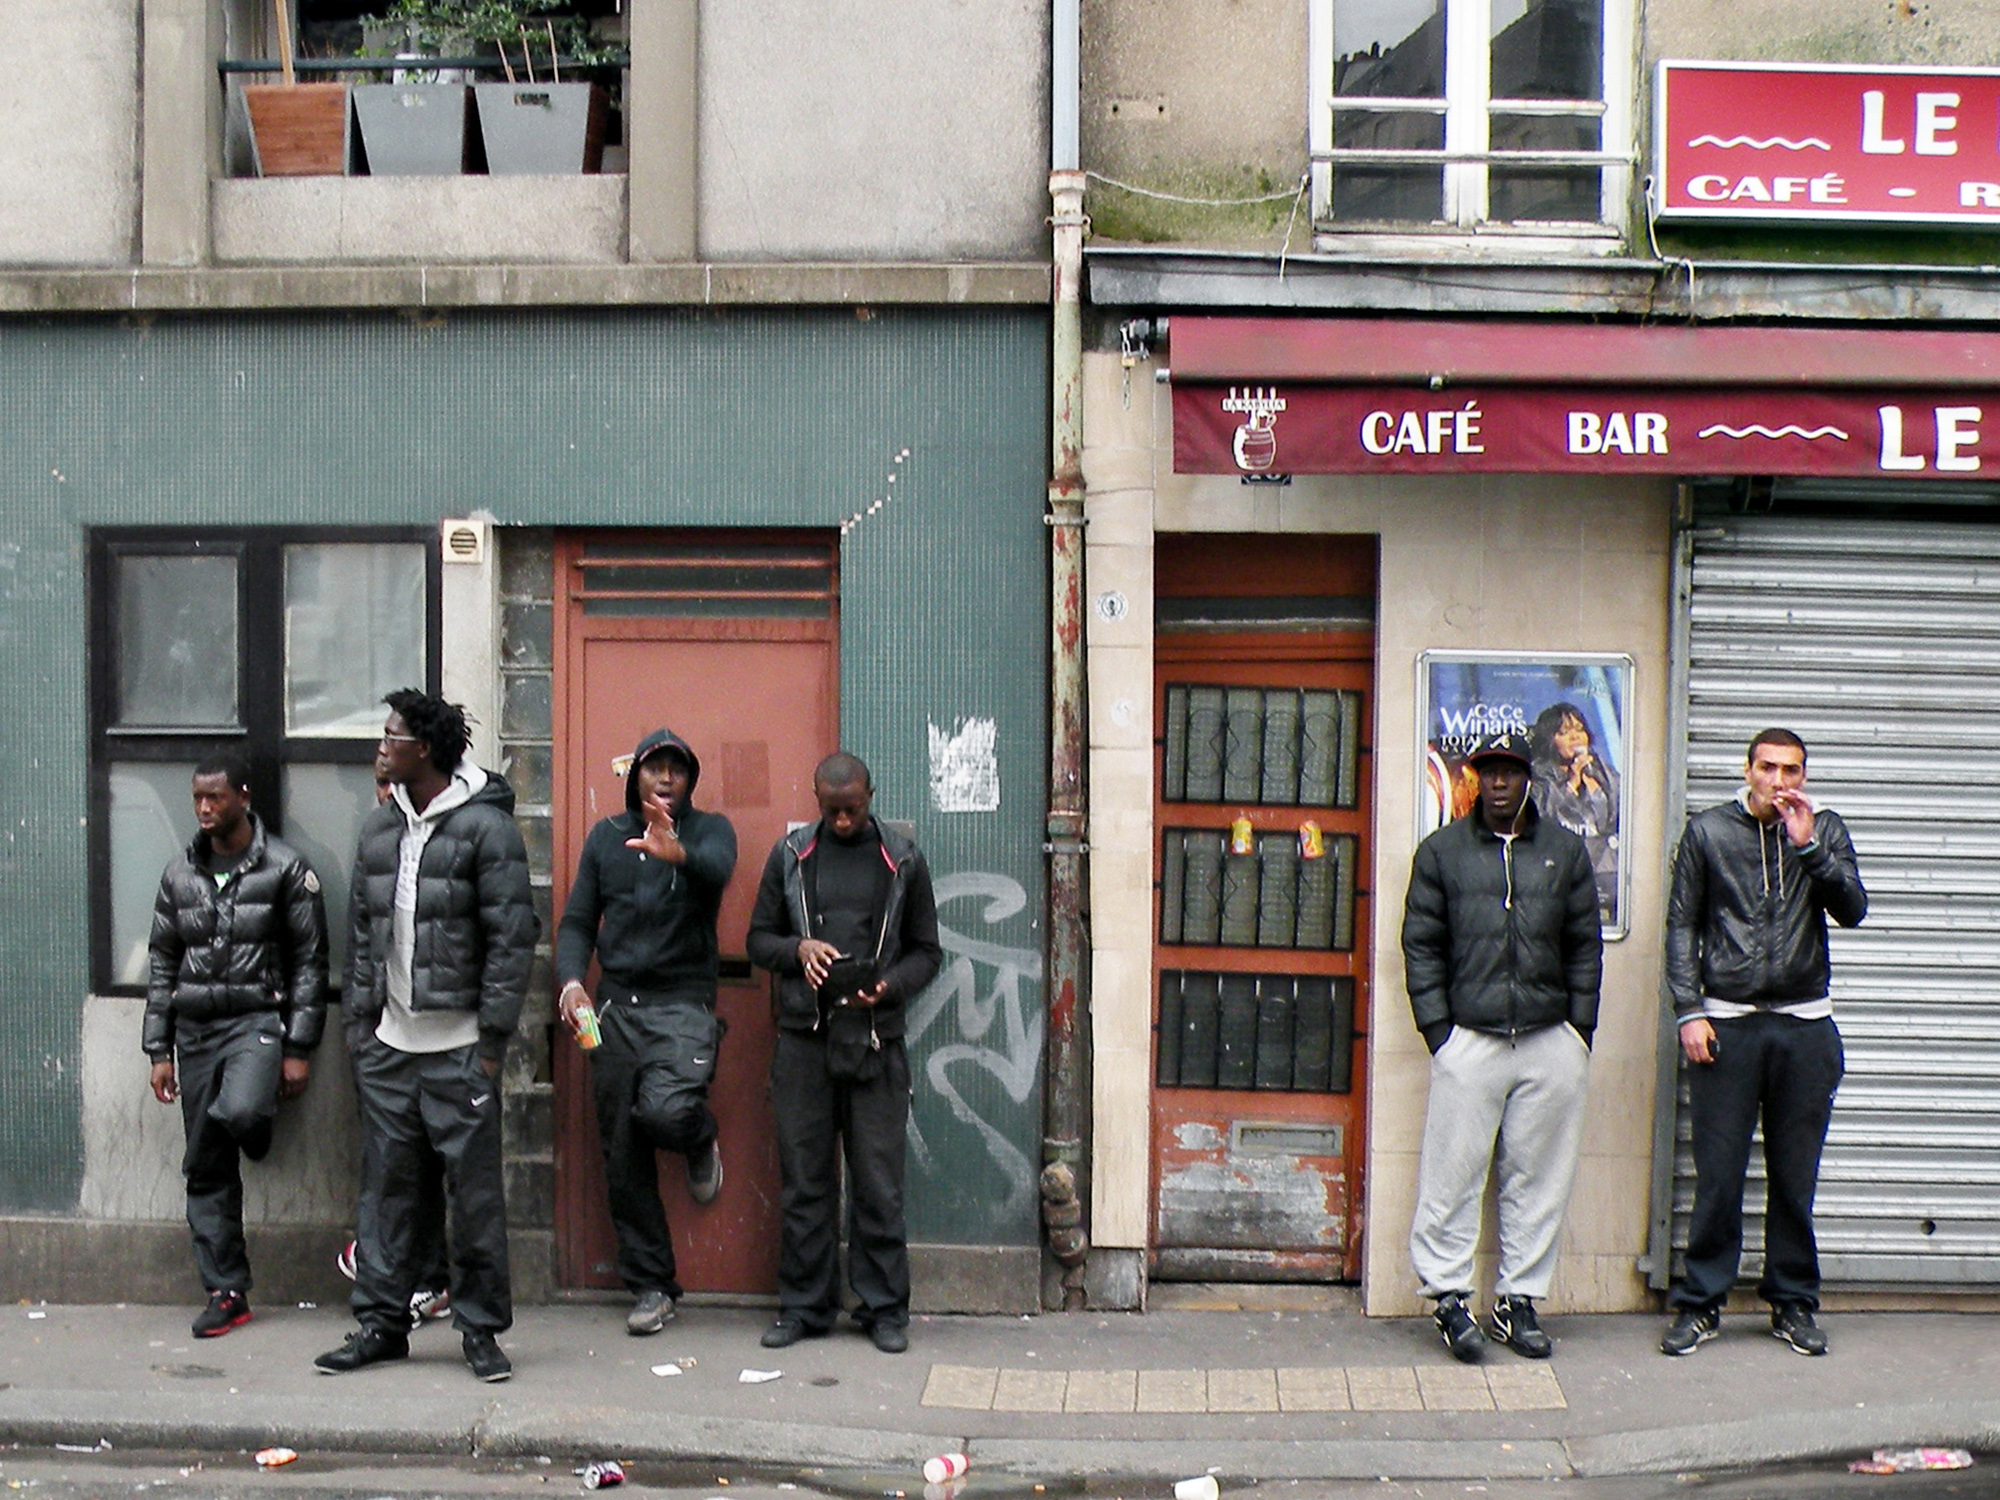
(476,925)
(1746,915)
(907,953)
(256,944)
(1503,939)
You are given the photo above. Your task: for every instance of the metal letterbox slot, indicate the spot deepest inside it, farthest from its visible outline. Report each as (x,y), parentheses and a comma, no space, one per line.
(1283,1138)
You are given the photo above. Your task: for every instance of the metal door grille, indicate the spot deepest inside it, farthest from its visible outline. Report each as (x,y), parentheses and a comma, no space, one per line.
(1286,1032)
(1879,643)
(1268,898)
(1270,747)
(736,579)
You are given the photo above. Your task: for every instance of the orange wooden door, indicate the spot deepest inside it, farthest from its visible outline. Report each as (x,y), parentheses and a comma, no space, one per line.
(666,631)
(1260,959)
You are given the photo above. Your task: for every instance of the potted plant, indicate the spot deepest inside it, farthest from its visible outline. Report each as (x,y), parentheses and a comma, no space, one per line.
(537,121)
(296,129)
(419,123)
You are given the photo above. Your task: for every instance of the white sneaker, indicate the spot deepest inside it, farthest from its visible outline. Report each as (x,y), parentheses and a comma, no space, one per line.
(429,1305)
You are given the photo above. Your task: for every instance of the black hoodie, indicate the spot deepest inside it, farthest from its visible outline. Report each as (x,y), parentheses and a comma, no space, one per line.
(651,923)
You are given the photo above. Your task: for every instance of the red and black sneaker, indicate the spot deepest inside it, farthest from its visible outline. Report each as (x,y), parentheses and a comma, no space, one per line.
(225,1310)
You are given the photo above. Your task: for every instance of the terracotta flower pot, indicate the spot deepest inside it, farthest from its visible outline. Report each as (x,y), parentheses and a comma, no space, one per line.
(298,130)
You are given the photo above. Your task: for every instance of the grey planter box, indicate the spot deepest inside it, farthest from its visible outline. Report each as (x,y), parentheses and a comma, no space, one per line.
(544,129)
(413,129)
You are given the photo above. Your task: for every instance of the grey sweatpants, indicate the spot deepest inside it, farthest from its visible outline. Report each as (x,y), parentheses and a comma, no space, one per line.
(1514,1107)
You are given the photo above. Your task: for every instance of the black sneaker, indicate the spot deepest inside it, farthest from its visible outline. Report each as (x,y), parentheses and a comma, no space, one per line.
(488,1360)
(705,1173)
(225,1310)
(652,1312)
(1693,1327)
(1793,1322)
(787,1331)
(1513,1323)
(890,1338)
(368,1346)
(1455,1326)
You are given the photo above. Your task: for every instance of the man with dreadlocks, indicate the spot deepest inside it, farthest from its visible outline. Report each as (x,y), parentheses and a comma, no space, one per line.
(442,930)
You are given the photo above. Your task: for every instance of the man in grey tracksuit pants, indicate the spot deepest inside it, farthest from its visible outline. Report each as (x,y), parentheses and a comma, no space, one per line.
(1503,959)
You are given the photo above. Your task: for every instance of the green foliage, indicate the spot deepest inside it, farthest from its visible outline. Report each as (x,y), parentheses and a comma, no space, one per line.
(442,27)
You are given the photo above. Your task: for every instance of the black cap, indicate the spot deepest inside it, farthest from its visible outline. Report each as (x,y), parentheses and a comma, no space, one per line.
(1509,746)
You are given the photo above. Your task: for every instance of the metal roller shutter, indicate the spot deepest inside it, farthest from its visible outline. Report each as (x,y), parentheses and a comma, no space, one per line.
(1878,641)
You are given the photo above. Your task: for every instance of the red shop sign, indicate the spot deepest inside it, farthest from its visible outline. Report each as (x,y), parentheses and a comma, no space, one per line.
(1325,429)
(1836,143)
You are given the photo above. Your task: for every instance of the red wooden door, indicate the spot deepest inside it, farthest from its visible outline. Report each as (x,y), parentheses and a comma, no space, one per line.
(688,633)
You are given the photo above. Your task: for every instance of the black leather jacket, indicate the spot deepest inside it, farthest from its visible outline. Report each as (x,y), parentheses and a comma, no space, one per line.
(906,953)
(1746,915)
(476,925)
(1503,939)
(256,944)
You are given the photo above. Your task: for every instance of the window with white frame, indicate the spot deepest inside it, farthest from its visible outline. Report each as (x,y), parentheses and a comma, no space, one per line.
(1468,114)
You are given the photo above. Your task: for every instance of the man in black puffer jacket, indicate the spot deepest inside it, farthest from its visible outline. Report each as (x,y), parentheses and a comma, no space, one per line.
(1754,882)
(440,938)
(847,921)
(238,989)
(648,886)
(1503,958)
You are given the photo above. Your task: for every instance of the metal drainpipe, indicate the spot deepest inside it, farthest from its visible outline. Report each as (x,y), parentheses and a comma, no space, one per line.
(1065,1179)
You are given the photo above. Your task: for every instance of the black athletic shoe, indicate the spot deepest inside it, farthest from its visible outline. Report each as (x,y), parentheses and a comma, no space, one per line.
(368,1346)
(705,1173)
(1794,1323)
(225,1310)
(1460,1333)
(1693,1327)
(890,1338)
(787,1331)
(488,1360)
(652,1312)
(1513,1323)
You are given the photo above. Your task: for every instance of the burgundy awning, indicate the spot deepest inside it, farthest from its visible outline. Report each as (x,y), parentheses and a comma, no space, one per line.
(1331,396)
(1402,351)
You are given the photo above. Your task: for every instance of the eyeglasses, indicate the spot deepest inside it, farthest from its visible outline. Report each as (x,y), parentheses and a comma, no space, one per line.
(398,739)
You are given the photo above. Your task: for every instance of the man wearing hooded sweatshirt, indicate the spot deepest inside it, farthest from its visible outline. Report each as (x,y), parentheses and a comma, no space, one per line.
(1503,958)
(1754,882)
(442,931)
(847,921)
(648,886)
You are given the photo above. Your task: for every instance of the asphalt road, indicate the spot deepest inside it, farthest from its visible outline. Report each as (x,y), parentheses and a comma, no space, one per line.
(235,1476)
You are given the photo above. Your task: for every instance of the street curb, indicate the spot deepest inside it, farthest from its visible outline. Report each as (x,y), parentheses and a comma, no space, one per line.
(476,1425)
(1363,1458)
(521,1430)
(1786,1437)
(210,1419)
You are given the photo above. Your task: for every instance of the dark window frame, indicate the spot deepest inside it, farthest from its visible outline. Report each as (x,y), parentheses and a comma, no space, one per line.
(260,675)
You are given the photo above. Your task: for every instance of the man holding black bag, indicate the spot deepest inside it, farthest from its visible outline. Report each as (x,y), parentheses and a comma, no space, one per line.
(846,920)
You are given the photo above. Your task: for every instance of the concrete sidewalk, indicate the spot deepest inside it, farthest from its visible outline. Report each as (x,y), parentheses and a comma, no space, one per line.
(1250,1395)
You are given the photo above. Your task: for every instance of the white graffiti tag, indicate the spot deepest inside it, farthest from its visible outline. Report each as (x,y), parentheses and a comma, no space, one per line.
(1014,1057)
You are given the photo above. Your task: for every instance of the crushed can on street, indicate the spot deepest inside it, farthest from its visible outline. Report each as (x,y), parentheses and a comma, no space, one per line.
(1911,1460)
(602,1476)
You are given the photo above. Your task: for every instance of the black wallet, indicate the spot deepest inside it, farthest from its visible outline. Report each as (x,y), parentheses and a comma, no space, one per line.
(845,978)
